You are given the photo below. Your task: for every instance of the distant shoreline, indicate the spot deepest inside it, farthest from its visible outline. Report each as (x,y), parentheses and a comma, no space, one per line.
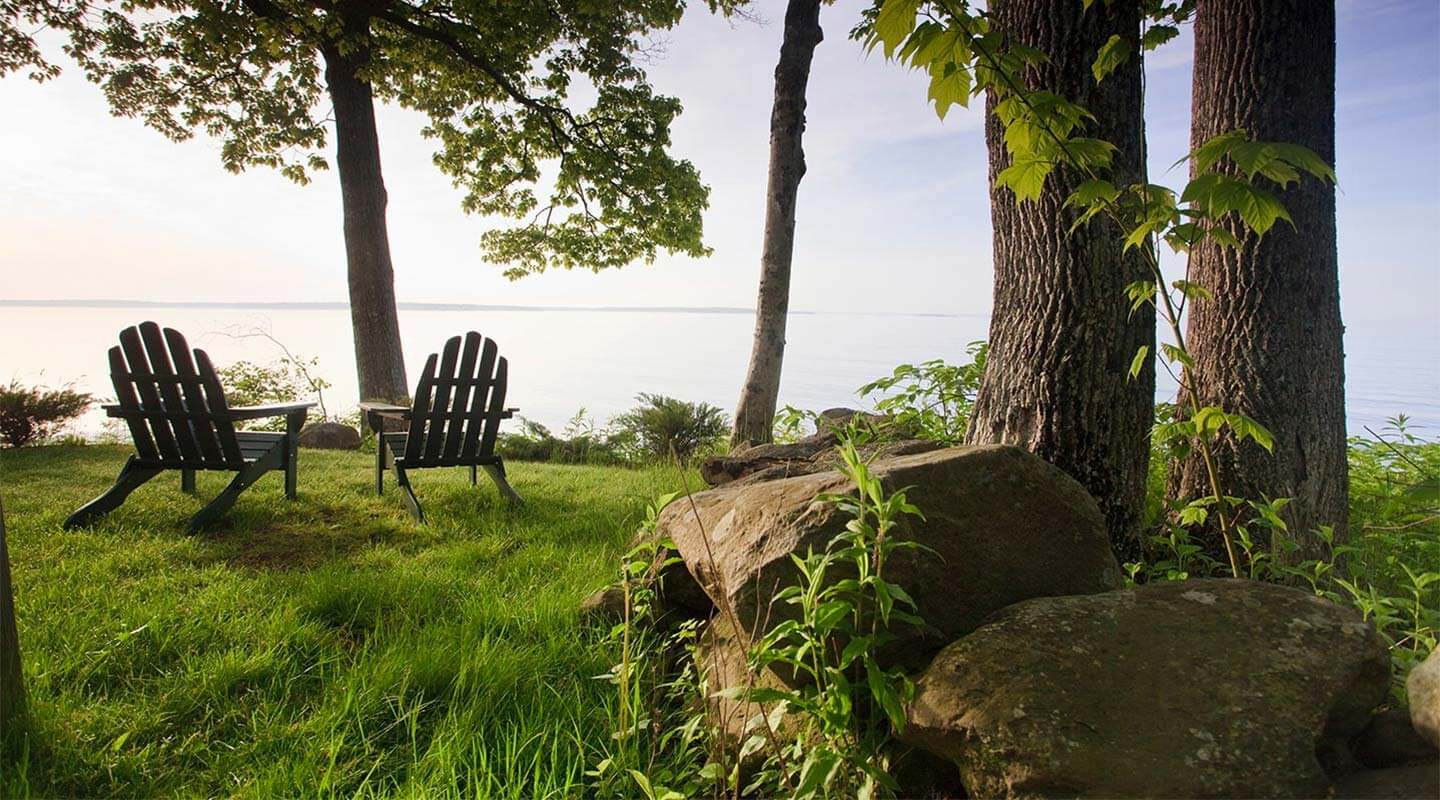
(409,306)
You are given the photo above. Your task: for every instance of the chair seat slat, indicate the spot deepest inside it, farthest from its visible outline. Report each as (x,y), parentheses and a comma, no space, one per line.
(397,442)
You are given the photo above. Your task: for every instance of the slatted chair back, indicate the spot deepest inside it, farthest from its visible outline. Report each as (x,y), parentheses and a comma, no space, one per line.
(172,401)
(458,406)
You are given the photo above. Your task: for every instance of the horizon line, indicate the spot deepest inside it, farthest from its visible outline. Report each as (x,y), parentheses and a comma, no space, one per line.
(330,305)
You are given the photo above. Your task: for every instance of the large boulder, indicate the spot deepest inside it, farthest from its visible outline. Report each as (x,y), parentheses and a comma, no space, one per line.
(1204,688)
(329,436)
(1423,687)
(1002,526)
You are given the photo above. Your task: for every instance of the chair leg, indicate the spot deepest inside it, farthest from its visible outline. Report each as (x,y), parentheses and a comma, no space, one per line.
(379,463)
(187,481)
(294,421)
(473,472)
(408,494)
(131,478)
(496,472)
(243,480)
(292,477)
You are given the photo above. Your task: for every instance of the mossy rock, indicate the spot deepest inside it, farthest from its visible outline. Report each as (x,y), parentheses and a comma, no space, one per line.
(1204,688)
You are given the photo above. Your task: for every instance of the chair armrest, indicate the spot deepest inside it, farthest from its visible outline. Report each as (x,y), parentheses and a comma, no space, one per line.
(113,409)
(385,409)
(508,413)
(375,411)
(272,410)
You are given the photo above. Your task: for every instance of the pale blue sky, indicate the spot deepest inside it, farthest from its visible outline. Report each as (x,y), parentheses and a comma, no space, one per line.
(893,212)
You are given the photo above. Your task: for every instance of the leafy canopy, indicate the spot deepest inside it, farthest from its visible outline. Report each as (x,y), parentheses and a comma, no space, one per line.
(541,110)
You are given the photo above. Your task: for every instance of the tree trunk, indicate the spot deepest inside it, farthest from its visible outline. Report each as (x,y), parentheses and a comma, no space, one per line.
(755,413)
(1062,336)
(1270,344)
(12,685)
(376,325)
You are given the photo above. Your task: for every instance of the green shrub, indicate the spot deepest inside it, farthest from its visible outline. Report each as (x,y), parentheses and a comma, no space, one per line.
(658,743)
(932,399)
(1391,563)
(1388,569)
(1395,489)
(580,443)
(929,400)
(33,414)
(286,380)
(847,706)
(791,424)
(662,427)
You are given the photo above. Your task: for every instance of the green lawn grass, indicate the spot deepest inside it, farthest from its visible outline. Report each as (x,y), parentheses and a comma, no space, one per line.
(331,647)
(325,647)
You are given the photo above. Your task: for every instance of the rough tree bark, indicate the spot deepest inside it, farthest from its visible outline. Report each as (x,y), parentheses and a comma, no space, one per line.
(1270,344)
(755,413)
(375,323)
(1061,333)
(12,686)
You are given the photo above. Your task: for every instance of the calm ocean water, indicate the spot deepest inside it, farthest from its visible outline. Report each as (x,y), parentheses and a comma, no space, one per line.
(562,360)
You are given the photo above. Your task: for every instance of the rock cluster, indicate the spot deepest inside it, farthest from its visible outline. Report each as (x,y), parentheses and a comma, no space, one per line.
(1041,675)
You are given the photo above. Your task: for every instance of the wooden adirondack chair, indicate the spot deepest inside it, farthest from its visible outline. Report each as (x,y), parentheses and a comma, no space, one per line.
(178,419)
(452,423)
